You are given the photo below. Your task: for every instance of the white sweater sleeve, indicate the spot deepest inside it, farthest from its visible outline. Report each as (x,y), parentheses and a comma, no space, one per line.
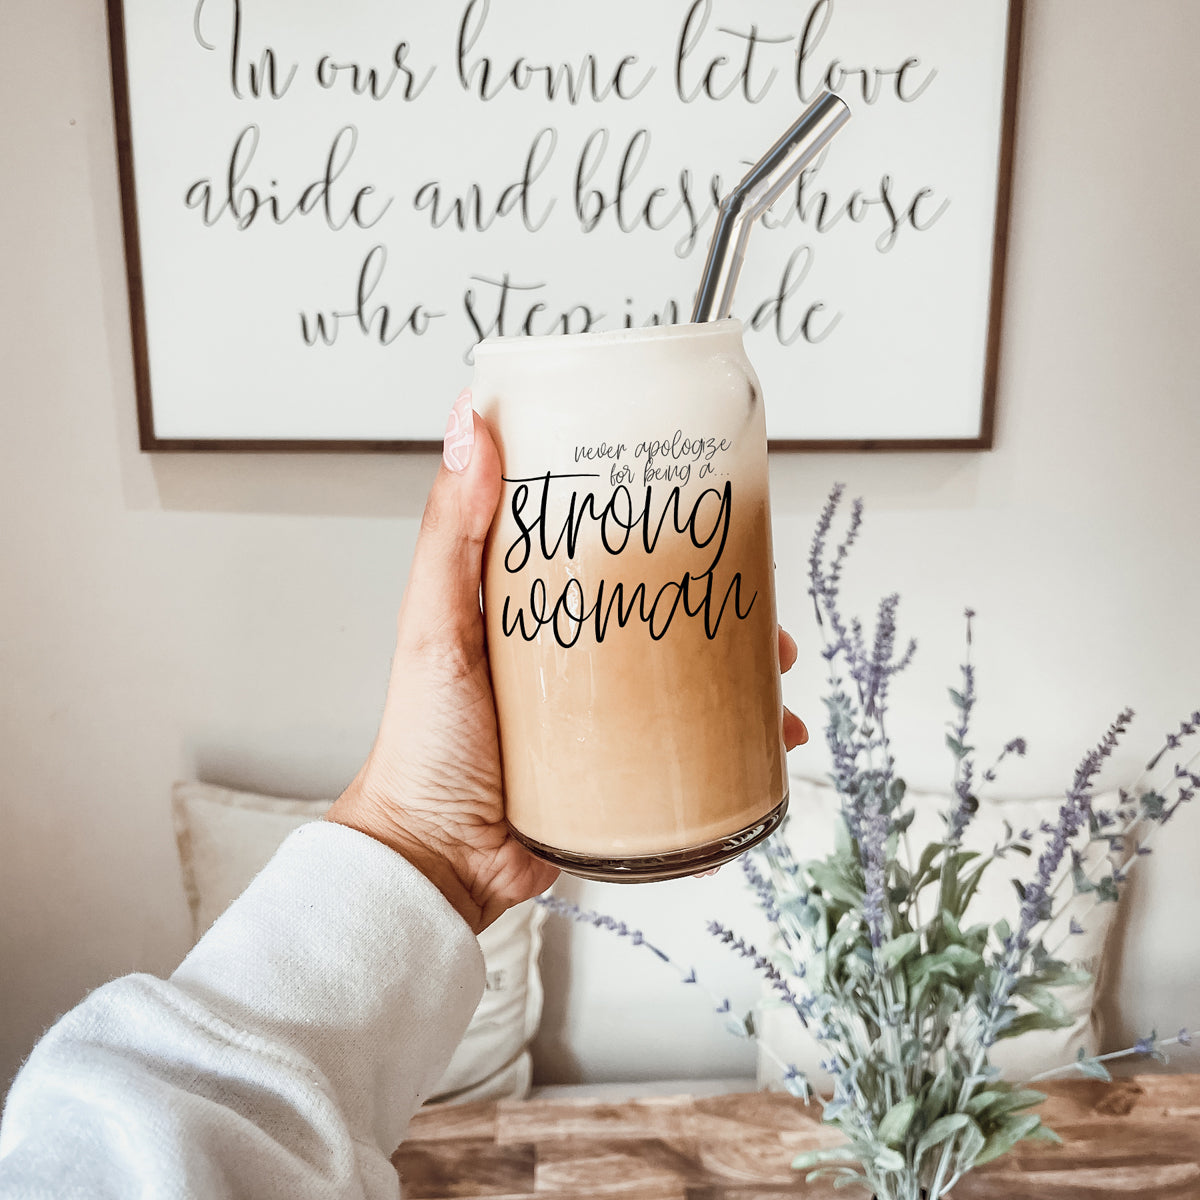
(284,1057)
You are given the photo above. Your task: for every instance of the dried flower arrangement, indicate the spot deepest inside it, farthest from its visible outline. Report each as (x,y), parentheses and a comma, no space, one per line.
(874,949)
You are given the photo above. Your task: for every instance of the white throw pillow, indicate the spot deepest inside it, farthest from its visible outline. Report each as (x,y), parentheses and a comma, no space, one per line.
(809,831)
(225,838)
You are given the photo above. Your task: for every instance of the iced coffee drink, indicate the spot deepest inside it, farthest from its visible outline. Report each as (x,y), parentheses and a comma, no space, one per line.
(629,599)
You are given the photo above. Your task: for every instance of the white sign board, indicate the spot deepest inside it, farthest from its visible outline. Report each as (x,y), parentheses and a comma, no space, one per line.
(327,205)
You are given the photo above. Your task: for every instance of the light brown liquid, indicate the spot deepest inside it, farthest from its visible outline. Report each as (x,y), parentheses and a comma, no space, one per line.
(630,745)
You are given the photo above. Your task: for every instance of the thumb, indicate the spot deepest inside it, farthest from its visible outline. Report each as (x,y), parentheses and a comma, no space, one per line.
(441,604)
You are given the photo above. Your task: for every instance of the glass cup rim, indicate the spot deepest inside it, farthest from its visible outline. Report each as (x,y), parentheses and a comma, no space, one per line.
(637,335)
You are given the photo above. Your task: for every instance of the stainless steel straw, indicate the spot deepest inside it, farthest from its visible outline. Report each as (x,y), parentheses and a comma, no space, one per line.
(762,186)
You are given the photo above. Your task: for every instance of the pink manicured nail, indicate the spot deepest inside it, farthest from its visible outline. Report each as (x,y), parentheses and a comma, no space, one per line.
(460,435)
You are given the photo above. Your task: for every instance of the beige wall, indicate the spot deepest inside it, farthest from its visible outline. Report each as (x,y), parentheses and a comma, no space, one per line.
(230,617)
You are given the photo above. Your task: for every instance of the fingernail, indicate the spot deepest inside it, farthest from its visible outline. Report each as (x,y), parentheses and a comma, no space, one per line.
(460,435)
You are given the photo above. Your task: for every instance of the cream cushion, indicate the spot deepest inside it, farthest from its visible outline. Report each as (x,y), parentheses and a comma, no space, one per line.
(809,832)
(226,837)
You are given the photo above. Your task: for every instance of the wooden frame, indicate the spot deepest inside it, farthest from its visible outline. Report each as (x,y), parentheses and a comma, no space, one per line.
(150,440)
(987,432)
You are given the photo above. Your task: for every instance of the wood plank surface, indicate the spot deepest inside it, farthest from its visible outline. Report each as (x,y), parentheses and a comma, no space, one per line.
(1135,1137)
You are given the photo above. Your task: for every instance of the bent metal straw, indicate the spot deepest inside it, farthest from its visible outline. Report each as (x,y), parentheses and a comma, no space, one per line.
(763,185)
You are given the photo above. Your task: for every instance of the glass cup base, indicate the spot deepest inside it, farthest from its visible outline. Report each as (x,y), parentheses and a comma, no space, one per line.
(653,868)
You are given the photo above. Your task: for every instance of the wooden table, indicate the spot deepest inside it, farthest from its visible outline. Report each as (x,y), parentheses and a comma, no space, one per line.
(1135,1137)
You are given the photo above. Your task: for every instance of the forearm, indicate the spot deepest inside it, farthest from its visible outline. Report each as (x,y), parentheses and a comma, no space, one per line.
(284,1057)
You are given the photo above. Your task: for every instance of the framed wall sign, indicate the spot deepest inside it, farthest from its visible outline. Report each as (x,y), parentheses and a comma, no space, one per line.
(327,205)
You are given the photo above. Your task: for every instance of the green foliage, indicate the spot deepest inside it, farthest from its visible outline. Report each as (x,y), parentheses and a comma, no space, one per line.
(1092,1067)
(916,1098)
(942,1129)
(1154,806)
(812,1158)
(956,747)
(899,948)
(905,990)
(896,1121)
(996,1102)
(1008,1132)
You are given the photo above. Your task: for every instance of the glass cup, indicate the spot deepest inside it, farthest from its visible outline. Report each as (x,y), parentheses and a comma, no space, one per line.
(629,599)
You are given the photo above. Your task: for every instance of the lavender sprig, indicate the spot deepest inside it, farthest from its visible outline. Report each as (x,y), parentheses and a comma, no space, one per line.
(965,804)
(824,584)
(598,920)
(874,830)
(1073,816)
(803,1008)
(1104,879)
(863,766)
(763,891)
(1173,741)
(794,1079)
(1091,1065)
(1017,746)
